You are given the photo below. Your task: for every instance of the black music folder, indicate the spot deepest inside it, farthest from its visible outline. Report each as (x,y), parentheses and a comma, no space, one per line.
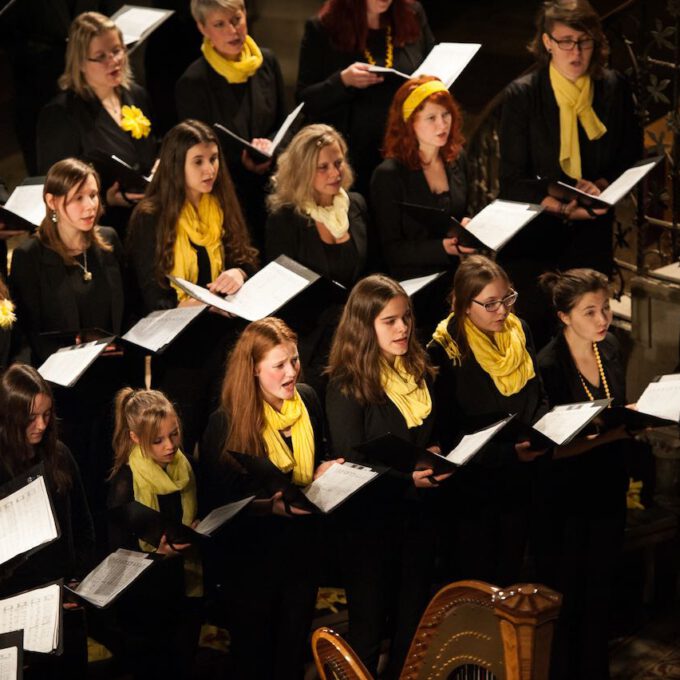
(12,655)
(131,180)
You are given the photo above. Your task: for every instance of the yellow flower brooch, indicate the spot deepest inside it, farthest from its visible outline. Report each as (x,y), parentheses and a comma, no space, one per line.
(135,122)
(7,315)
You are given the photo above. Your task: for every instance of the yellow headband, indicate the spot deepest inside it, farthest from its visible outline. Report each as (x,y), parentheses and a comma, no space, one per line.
(422,92)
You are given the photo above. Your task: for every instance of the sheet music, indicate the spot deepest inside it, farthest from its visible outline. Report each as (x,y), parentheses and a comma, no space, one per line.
(670,377)
(217,517)
(136,22)
(26,520)
(625,182)
(662,398)
(387,69)
(447,61)
(112,576)
(563,422)
(37,613)
(470,444)
(27,202)
(65,366)
(338,483)
(260,295)
(499,221)
(9,659)
(159,328)
(412,286)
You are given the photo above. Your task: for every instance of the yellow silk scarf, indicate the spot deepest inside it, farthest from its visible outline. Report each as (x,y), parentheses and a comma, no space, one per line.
(293,415)
(411,398)
(249,60)
(202,228)
(506,358)
(575,100)
(150,480)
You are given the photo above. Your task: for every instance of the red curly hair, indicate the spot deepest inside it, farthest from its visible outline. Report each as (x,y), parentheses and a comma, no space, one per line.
(345,21)
(401,142)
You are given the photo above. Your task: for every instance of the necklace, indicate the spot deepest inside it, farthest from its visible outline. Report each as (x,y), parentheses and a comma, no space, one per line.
(389,50)
(87,274)
(112,106)
(603,378)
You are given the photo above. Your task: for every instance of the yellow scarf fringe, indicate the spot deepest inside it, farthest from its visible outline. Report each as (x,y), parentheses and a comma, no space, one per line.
(293,415)
(249,60)
(412,399)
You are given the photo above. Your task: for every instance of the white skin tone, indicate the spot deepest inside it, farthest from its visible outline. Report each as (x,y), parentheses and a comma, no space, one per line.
(227,31)
(277,373)
(357,74)
(572,64)
(432,127)
(76,213)
(103,78)
(39,419)
(201,165)
(326,185)
(393,327)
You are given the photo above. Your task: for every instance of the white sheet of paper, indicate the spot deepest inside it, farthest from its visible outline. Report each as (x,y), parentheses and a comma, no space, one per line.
(260,295)
(37,613)
(670,377)
(671,272)
(337,483)
(64,366)
(563,421)
(158,328)
(625,182)
(27,202)
(387,69)
(134,22)
(499,221)
(447,61)
(662,398)
(9,659)
(412,286)
(26,520)
(470,444)
(217,517)
(111,576)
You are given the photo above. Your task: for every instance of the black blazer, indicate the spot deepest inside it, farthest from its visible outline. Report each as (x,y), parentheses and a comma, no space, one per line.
(412,247)
(289,233)
(44,298)
(72,126)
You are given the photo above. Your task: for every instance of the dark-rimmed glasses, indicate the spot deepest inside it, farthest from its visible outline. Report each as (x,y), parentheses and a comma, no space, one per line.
(494,305)
(106,56)
(568,45)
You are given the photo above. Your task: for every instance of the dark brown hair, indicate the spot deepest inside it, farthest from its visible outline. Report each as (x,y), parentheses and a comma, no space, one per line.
(579,15)
(355,359)
(19,386)
(565,289)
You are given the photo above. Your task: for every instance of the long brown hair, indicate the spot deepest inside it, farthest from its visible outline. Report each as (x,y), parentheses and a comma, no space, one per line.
(401,142)
(474,273)
(565,289)
(141,412)
(355,359)
(242,400)
(166,195)
(19,387)
(4,292)
(62,178)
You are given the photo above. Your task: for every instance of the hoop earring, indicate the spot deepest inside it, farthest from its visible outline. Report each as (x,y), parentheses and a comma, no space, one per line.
(53,216)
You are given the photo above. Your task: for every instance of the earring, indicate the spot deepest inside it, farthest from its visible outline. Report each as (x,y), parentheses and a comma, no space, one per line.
(549,51)
(53,216)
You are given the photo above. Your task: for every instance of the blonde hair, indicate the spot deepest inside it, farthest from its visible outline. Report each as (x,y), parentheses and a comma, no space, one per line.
(201,8)
(293,180)
(84,28)
(141,412)
(63,177)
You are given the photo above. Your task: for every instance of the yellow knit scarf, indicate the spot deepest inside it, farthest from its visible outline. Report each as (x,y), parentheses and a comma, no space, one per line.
(150,480)
(575,100)
(442,336)
(411,398)
(202,228)
(334,217)
(237,71)
(293,415)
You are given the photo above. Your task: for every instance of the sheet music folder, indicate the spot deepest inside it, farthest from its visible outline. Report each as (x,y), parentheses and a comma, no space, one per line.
(158,330)
(138,23)
(24,209)
(632,419)
(130,179)
(21,520)
(12,655)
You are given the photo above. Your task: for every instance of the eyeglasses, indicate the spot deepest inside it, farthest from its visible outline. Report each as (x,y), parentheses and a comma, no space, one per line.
(106,56)
(493,306)
(568,45)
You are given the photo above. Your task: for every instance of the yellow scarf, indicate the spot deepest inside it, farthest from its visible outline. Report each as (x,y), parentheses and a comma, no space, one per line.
(442,336)
(575,100)
(202,228)
(150,480)
(249,60)
(506,359)
(412,399)
(294,415)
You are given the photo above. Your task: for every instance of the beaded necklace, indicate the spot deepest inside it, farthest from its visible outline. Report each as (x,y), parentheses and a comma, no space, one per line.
(389,50)
(603,378)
